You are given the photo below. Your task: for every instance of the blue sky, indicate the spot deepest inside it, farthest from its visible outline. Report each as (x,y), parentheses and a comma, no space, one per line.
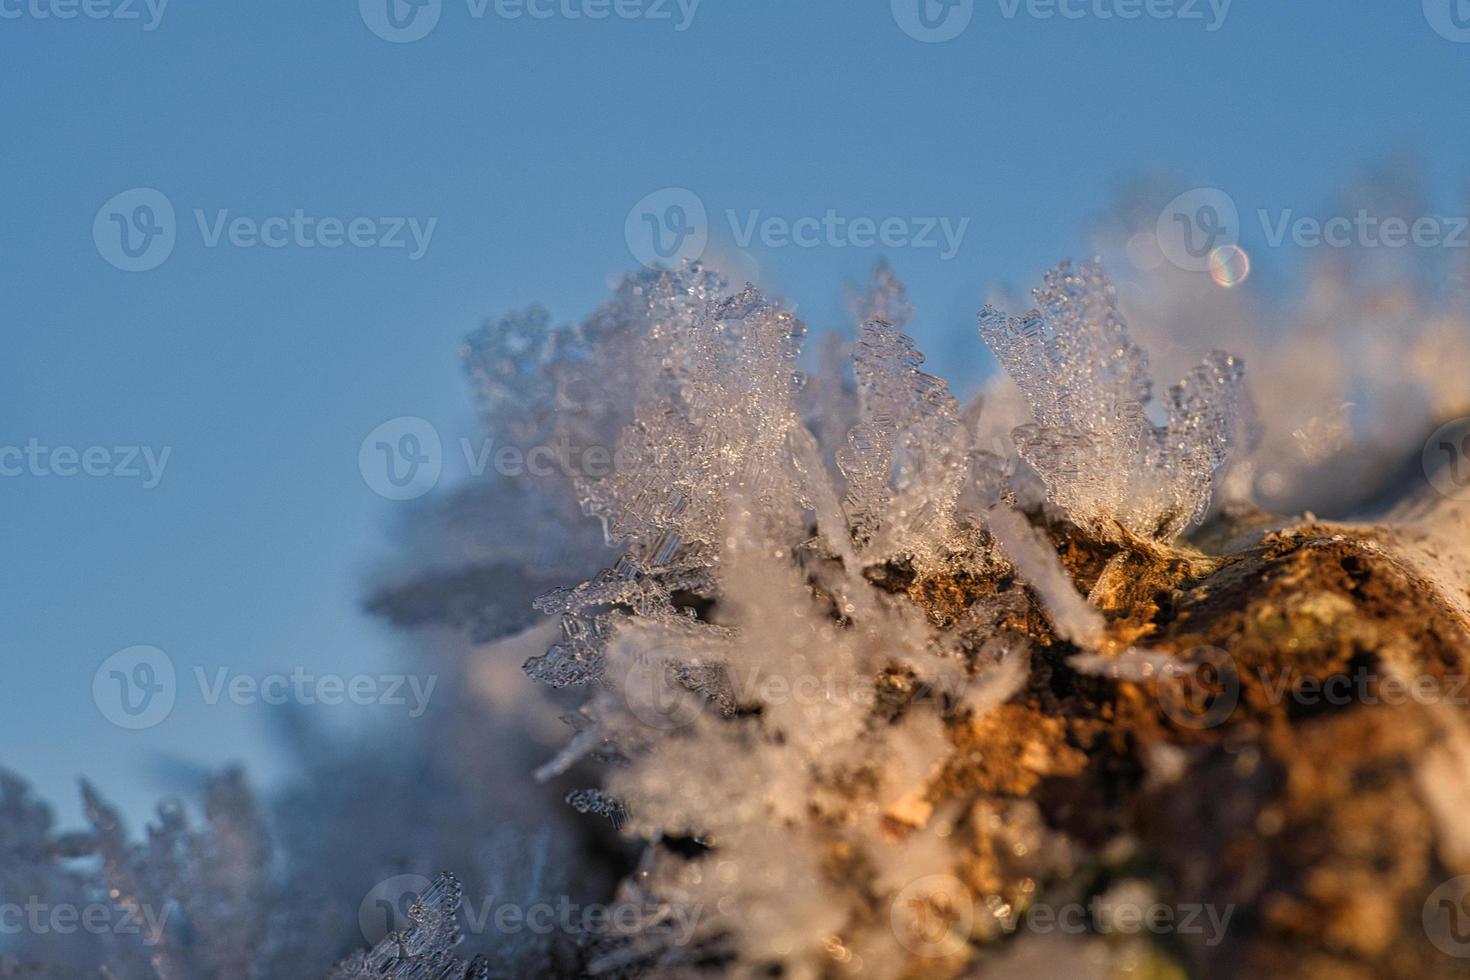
(526,141)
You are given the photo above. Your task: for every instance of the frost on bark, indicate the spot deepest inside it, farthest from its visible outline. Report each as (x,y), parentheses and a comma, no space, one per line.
(1054,683)
(861,690)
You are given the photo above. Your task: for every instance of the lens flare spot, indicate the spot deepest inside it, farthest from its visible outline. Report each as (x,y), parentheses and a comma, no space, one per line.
(1229,266)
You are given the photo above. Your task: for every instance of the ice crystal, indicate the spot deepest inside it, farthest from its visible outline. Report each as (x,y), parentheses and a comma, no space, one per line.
(1071,614)
(186,904)
(216,900)
(1092,439)
(1353,362)
(904,460)
(424,951)
(598,802)
(715,414)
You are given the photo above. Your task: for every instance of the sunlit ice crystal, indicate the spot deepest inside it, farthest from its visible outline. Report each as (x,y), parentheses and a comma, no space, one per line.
(905,459)
(1108,454)
(713,411)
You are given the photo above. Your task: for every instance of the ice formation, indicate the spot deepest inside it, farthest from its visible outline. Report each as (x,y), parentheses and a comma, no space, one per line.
(424,951)
(737,652)
(792,684)
(216,879)
(1088,388)
(758,672)
(1354,357)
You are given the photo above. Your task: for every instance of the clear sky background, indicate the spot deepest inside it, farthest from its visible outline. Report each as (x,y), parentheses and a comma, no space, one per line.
(529,140)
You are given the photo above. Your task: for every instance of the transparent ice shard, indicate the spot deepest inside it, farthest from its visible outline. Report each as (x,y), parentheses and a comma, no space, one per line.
(1073,617)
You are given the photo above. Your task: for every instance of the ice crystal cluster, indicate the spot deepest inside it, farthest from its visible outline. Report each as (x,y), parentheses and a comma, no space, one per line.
(215,879)
(802,622)
(424,951)
(740,652)
(1089,390)
(763,701)
(1352,365)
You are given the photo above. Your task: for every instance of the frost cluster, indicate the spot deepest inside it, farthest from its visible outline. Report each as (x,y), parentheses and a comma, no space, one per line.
(130,911)
(1355,356)
(819,560)
(1103,458)
(753,655)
